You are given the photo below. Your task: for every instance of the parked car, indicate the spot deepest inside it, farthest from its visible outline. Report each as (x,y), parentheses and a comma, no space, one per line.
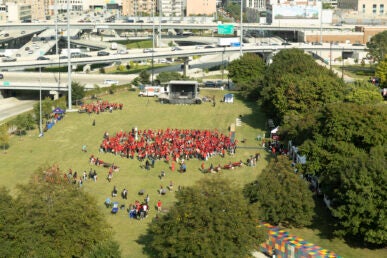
(8,59)
(103,53)
(42,58)
(1,76)
(210,84)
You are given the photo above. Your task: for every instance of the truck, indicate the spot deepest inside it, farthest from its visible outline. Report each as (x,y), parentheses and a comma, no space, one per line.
(113,46)
(228,42)
(73,51)
(152,91)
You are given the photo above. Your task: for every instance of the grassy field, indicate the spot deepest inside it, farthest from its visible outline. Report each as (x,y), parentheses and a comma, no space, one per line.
(62,145)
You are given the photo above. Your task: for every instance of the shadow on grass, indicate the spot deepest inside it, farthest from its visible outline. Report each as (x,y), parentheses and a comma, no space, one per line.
(322,220)
(257,118)
(145,240)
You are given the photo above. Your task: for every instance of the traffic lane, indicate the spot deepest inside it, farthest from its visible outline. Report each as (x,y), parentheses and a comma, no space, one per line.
(16,108)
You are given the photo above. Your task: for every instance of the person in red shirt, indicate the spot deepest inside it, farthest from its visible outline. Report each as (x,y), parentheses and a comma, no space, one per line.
(159,206)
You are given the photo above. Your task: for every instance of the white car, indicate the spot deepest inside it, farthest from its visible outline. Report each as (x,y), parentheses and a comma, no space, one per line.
(110,82)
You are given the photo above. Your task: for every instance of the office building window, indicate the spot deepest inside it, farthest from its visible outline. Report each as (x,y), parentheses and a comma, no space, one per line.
(381,9)
(364,10)
(374,8)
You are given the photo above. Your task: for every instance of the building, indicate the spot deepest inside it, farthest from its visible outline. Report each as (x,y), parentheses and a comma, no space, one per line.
(333,3)
(138,7)
(365,7)
(297,12)
(171,8)
(259,5)
(37,10)
(200,7)
(17,12)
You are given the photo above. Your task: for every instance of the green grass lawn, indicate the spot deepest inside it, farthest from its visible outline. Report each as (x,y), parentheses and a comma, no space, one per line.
(62,145)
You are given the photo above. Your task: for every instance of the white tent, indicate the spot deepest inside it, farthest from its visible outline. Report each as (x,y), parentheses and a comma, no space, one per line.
(228,98)
(275,130)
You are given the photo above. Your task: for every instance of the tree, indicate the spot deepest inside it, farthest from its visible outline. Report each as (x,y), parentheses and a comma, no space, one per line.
(165,77)
(55,218)
(212,211)
(363,93)
(47,107)
(24,122)
(144,77)
(348,153)
(247,73)
(282,195)
(4,136)
(381,72)
(295,84)
(377,46)
(77,91)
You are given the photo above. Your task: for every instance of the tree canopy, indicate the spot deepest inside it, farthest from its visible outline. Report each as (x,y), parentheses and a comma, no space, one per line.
(283,197)
(209,219)
(247,73)
(51,217)
(77,91)
(381,72)
(294,83)
(377,46)
(347,152)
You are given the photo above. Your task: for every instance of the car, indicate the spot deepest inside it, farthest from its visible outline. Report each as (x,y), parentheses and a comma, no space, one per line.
(219,83)
(122,51)
(27,48)
(175,49)
(30,52)
(36,47)
(6,35)
(110,82)
(63,57)
(42,58)
(8,59)
(285,44)
(147,50)
(209,84)
(317,43)
(103,53)
(18,55)
(209,46)
(23,32)
(1,76)
(357,45)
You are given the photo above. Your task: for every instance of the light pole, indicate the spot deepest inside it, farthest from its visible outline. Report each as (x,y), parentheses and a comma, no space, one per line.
(40,102)
(224,49)
(160,13)
(241,26)
(68,57)
(153,38)
(330,56)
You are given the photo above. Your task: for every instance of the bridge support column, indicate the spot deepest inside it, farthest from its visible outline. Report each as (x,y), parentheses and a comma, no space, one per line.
(55,94)
(1,94)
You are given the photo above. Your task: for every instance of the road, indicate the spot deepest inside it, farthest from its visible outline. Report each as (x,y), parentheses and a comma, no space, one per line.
(11,107)
(86,79)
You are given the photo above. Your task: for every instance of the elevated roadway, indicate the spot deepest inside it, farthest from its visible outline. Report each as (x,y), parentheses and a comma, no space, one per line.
(182,25)
(168,53)
(57,81)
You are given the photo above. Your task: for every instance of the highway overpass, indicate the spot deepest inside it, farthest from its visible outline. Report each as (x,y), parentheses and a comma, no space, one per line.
(182,25)
(135,55)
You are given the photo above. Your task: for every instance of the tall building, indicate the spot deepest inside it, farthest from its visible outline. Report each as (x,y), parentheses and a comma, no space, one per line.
(37,8)
(259,5)
(138,7)
(200,7)
(171,8)
(365,7)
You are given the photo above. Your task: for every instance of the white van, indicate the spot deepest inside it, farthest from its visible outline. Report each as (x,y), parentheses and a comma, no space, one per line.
(151,91)
(110,82)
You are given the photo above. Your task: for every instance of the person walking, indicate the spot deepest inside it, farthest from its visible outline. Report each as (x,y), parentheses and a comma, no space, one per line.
(159,206)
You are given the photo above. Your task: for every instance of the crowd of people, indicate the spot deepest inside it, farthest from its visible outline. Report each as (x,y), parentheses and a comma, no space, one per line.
(100,106)
(163,144)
